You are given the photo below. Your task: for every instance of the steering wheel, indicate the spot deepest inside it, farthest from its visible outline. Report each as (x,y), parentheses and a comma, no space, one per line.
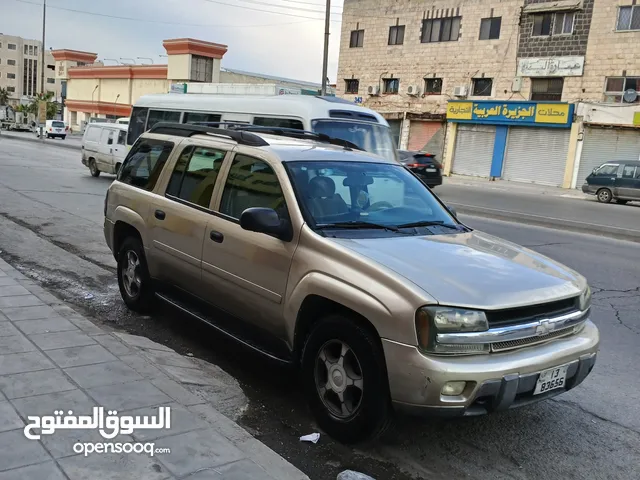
(379,206)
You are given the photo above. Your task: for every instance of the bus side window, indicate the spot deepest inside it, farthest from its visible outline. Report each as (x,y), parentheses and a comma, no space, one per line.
(157,116)
(137,124)
(278,122)
(198,117)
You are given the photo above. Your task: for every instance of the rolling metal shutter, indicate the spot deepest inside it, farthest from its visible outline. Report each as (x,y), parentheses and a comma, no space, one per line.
(536,155)
(603,145)
(474,150)
(420,133)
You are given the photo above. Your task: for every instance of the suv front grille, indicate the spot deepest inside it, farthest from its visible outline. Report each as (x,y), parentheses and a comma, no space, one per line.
(525,342)
(514,316)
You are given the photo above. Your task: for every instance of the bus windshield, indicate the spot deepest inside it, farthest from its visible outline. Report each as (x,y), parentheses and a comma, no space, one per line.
(371,137)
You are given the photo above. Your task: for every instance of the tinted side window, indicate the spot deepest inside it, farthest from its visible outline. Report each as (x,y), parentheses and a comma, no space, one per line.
(629,171)
(251,183)
(110,137)
(195,175)
(145,162)
(607,170)
(194,117)
(122,135)
(137,124)
(156,116)
(278,122)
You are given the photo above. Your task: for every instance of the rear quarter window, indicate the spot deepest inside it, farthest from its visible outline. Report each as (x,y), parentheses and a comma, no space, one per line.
(145,162)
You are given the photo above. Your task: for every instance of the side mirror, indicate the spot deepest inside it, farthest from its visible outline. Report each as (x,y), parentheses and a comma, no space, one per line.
(452,210)
(266,220)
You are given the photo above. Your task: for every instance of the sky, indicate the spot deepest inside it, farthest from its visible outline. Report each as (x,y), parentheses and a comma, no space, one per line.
(275,44)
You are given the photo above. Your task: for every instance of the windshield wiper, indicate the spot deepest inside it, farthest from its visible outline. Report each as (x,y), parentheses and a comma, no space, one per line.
(356,224)
(428,223)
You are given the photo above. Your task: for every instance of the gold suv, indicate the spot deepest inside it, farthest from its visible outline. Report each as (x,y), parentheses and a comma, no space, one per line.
(347,266)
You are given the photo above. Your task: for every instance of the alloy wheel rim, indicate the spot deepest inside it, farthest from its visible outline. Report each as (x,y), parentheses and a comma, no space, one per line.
(338,378)
(604,195)
(131,276)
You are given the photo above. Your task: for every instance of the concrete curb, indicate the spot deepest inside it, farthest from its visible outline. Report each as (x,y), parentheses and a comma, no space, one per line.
(617,233)
(54,143)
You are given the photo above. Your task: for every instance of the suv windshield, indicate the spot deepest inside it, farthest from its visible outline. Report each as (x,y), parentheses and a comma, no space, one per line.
(374,138)
(366,195)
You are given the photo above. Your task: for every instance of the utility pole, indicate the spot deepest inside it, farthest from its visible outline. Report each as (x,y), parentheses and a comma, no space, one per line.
(325,58)
(42,66)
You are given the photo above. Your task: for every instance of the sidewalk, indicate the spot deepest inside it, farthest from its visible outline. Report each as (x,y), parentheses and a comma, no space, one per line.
(514,187)
(52,358)
(72,142)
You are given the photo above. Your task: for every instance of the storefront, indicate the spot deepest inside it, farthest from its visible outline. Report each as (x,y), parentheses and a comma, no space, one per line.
(519,141)
(423,136)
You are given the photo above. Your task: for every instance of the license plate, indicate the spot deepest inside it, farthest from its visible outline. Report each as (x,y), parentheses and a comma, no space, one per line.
(551,379)
(430,169)
(58,130)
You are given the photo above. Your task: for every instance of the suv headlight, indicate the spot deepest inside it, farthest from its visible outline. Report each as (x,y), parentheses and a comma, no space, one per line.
(584,302)
(433,320)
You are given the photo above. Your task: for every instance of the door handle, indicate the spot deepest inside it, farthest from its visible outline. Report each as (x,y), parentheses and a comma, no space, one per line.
(216,236)
(159,214)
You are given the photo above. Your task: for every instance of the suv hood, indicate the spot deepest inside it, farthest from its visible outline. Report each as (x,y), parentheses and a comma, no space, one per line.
(473,269)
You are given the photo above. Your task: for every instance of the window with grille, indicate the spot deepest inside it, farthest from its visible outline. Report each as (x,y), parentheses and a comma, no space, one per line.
(628,18)
(351,85)
(357,38)
(563,23)
(440,29)
(615,88)
(482,87)
(547,89)
(390,85)
(201,69)
(432,86)
(11,62)
(396,35)
(490,28)
(12,46)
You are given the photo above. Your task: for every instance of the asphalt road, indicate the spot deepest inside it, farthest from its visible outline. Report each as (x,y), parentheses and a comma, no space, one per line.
(51,229)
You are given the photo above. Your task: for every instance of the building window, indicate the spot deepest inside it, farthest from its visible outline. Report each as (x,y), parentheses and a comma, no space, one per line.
(26,50)
(11,62)
(490,28)
(201,69)
(11,89)
(12,46)
(482,87)
(628,18)
(51,80)
(547,89)
(390,85)
(542,24)
(351,85)
(11,75)
(615,87)
(396,35)
(563,23)
(357,38)
(440,30)
(432,86)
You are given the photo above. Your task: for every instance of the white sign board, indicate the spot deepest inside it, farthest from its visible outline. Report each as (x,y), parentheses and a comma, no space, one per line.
(288,90)
(178,88)
(551,67)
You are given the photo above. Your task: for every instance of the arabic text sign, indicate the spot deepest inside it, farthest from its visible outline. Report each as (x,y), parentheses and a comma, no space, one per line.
(510,113)
(552,113)
(551,67)
(109,426)
(636,118)
(459,110)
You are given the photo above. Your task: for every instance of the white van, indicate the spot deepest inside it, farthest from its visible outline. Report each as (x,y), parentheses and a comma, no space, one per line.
(54,129)
(103,147)
(123,121)
(332,116)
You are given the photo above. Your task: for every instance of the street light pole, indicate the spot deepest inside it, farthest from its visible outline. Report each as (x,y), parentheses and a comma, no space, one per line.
(42,67)
(325,57)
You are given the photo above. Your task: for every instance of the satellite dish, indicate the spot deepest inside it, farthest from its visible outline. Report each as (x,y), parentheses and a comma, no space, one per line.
(630,96)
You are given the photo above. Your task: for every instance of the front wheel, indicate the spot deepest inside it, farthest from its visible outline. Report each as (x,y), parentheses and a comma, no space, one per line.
(93,168)
(134,280)
(345,380)
(604,195)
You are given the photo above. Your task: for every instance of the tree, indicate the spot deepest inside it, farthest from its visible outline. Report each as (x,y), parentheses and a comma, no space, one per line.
(52,107)
(4,96)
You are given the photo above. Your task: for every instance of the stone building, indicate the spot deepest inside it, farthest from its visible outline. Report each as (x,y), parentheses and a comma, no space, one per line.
(484,83)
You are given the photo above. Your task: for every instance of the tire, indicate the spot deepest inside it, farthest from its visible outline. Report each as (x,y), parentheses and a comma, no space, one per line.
(604,195)
(93,168)
(63,137)
(135,283)
(621,202)
(117,169)
(366,413)
(48,136)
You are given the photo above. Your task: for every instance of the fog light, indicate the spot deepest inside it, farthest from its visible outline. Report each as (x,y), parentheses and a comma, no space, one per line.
(452,389)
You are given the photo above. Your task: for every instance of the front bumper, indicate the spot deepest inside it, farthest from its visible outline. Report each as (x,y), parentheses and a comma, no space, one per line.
(590,189)
(496,381)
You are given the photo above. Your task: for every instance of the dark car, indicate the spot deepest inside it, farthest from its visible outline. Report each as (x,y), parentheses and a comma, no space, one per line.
(619,181)
(424,165)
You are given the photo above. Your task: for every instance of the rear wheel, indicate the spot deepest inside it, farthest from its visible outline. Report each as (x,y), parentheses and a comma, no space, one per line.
(604,195)
(134,280)
(93,168)
(63,137)
(344,377)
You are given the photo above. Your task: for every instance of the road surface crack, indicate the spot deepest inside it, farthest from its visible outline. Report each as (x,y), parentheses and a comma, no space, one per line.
(599,417)
(617,314)
(546,244)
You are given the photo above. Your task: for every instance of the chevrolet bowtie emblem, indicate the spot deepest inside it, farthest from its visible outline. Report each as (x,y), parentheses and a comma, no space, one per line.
(544,328)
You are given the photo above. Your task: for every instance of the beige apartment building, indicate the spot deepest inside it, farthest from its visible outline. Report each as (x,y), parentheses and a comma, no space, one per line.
(485,84)
(21,67)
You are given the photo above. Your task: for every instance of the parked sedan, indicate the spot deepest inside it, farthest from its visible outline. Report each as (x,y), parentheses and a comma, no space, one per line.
(424,165)
(619,181)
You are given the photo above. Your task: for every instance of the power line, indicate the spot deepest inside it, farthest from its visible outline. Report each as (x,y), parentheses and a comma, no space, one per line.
(160,22)
(269,4)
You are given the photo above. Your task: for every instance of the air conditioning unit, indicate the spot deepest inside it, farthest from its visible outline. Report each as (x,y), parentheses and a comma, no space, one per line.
(460,91)
(413,90)
(373,90)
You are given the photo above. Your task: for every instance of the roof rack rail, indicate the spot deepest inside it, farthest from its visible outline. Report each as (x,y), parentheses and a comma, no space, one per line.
(188,130)
(296,133)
